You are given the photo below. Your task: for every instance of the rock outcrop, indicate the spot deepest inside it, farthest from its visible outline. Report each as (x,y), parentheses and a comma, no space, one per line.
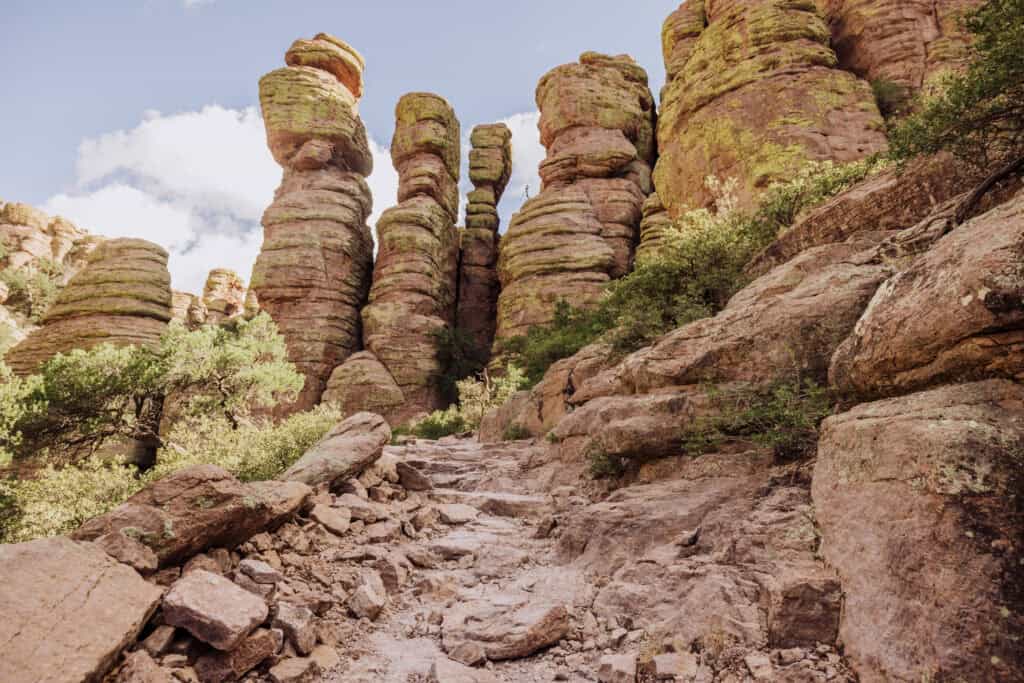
(414,289)
(348,449)
(914,498)
(29,237)
(597,124)
(490,166)
(188,309)
(69,610)
(223,295)
(955,314)
(313,272)
(122,296)
(909,43)
(754,91)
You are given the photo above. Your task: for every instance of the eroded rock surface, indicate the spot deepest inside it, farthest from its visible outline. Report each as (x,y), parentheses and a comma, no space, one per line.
(754,91)
(313,272)
(348,449)
(223,295)
(122,296)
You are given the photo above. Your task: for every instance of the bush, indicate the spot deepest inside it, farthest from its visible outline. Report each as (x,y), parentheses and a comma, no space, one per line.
(439,424)
(476,396)
(783,417)
(31,290)
(16,406)
(891,97)
(515,432)
(459,357)
(979,114)
(693,276)
(604,466)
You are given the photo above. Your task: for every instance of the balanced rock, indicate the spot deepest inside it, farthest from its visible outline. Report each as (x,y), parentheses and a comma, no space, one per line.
(912,496)
(223,295)
(348,449)
(199,507)
(69,610)
(122,296)
(754,93)
(313,272)
(415,276)
(490,166)
(597,125)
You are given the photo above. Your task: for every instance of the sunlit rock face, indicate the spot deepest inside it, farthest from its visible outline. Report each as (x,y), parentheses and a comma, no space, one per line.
(313,272)
(754,91)
(597,124)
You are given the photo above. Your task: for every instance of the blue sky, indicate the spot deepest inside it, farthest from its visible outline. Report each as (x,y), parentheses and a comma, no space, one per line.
(140,117)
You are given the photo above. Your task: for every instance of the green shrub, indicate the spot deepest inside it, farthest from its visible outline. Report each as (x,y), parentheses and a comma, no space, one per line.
(783,416)
(891,97)
(604,466)
(476,396)
(16,407)
(516,432)
(459,357)
(700,267)
(439,424)
(979,113)
(31,290)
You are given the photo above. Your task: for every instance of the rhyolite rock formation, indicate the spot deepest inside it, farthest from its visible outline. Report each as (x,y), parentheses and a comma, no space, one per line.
(313,271)
(223,295)
(122,296)
(490,166)
(413,295)
(754,91)
(597,124)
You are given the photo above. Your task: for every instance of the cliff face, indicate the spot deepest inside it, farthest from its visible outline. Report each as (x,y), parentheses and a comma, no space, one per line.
(597,124)
(754,91)
(313,272)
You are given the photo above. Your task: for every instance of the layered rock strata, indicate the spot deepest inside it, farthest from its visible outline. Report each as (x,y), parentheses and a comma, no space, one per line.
(413,295)
(597,124)
(490,166)
(754,91)
(122,296)
(223,295)
(313,272)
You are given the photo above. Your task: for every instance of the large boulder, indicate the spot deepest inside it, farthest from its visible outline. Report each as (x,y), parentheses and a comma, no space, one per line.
(918,502)
(754,92)
(362,383)
(122,296)
(69,610)
(348,449)
(223,295)
(313,272)
(199,507)
(213,609)
(954,314)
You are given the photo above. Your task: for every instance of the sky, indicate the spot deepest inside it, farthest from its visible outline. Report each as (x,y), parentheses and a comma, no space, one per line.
(141,117)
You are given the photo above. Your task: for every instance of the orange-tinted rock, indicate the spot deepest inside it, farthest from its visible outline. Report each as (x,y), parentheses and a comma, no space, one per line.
(754,92)
(490,165)
(122,296)
(906,42)
(914,499)
(955,314)
(313,272)
(188,309)
(223,295)
(653,228)
(597,124)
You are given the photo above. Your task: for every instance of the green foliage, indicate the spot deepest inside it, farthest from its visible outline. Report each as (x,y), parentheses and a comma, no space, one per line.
(515,432)
(16,406)
(94,395)
(890,96)
(31,290)
(459,357)
(476,396)
(604,466)
(978,114)
(783,416)
(700,267)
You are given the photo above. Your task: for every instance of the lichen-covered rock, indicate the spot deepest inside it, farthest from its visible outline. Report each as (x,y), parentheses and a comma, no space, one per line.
(653,228)
(313,272)
(122,296)
(349,448)
(223,295)
(955,314)
(363,383)
(909,43)
(490,166)
(413,294)
(914,497)
(754,92)
(597,124)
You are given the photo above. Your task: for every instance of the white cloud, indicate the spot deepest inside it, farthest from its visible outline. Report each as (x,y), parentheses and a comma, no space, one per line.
(196,183)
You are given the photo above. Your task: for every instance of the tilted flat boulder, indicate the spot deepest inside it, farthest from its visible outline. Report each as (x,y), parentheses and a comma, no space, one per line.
(913,497)
(213,609)
(954,314)
(122,296)
(196,508)
(349,448)
(69,610)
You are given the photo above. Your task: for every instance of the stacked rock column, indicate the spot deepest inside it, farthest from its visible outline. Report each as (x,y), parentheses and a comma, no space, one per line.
(313,272)
(490,166)
(413,294)
(597,124)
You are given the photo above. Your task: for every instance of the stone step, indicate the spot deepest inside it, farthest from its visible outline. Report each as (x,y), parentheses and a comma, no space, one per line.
(497,504)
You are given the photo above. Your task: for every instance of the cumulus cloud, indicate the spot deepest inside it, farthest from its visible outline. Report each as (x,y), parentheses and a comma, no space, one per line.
(195,182)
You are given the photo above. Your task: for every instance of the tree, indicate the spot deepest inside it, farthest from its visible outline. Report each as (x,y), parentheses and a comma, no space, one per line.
(92,396)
